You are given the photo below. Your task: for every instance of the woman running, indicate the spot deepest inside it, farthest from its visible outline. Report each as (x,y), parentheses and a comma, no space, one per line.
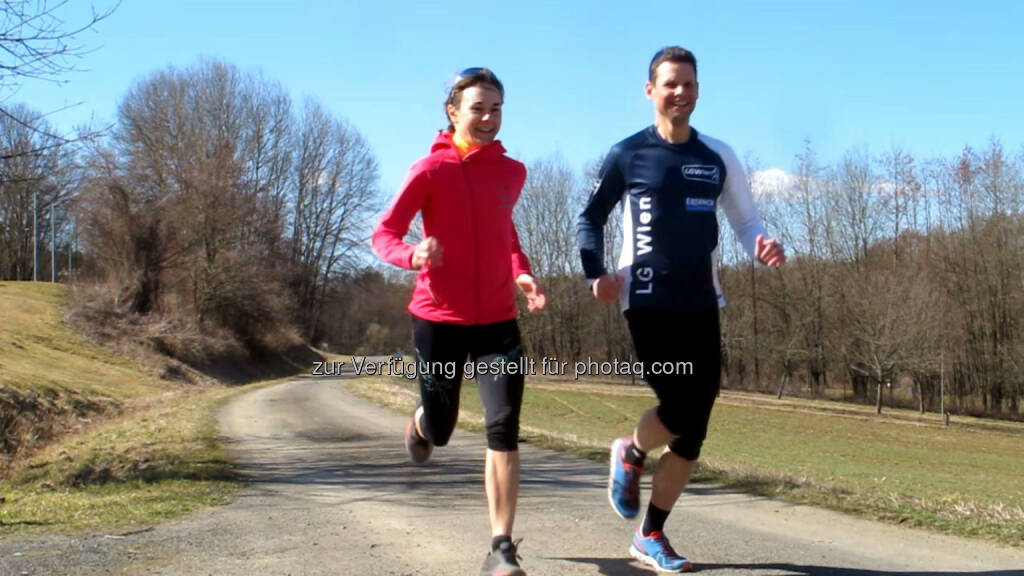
(464,302)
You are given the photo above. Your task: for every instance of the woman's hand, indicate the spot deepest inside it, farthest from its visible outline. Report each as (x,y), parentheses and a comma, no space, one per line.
(535,298)
(428,251)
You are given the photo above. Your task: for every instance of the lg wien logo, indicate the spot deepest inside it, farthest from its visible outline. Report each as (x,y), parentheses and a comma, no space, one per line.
(643,246)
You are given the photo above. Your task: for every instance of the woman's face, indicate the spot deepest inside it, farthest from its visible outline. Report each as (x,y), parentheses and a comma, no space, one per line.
(477,118)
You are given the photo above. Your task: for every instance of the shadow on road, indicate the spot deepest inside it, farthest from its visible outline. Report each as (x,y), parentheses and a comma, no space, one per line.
(802,570)
(378,469)
(628,567)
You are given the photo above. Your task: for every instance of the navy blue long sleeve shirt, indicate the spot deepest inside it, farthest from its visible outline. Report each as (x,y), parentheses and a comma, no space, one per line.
(670,230)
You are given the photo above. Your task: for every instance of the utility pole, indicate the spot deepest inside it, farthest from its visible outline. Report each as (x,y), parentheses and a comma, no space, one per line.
(71,247)
(757,343)
(35,236)
(53,245)
(942,388)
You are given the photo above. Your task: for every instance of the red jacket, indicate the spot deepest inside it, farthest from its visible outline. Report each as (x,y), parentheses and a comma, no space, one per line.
(467,205)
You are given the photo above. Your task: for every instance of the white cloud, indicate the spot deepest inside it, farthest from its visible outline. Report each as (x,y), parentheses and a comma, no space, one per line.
(770,182)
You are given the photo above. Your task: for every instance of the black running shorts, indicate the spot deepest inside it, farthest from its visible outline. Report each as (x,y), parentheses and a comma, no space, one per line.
(682,357)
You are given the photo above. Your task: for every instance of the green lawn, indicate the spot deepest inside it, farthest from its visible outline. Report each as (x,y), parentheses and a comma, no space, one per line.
(958,480)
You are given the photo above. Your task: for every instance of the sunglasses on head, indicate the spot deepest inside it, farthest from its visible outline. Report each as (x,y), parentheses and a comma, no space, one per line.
(470,72)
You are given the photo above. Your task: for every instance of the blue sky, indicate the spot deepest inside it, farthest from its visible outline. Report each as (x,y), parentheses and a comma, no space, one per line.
(929,76)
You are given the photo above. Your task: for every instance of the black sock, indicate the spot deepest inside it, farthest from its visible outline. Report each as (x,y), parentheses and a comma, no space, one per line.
(497,540)
(634,456)
(654,520)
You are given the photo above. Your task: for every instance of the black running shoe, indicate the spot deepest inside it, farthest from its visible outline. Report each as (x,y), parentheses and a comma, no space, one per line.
(503,562)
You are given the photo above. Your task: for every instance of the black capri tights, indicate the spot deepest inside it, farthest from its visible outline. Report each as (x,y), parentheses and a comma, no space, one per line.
(682,356)
(441,352)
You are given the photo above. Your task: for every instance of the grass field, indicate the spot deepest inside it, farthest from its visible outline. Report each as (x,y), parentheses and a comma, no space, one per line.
(39,353)
(148,466)
(128,448)
(963,479)
(145,467)
(160,458)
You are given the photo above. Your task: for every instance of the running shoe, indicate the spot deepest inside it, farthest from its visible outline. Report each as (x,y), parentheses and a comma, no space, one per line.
(655,551)
(418,447)
(623,480)
(503,562)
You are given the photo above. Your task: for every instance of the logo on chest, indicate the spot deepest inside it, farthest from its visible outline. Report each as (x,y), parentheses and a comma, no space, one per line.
(702,173)
(700,204)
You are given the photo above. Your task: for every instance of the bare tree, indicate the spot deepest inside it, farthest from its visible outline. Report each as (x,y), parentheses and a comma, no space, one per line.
(858,208)
(981,267)
(267,159)
(741,337)
(125,234)
(903,187)
(878,329)
(213,200)
(811,219)
(36,43)
(335,178)
(36,175)
(545,218)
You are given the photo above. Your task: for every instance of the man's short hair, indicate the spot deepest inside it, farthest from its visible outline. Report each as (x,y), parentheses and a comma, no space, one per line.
(671,54)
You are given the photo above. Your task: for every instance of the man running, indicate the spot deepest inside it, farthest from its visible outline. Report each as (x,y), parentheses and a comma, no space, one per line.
(671,180)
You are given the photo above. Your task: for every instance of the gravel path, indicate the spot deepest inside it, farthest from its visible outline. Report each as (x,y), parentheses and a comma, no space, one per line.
(332,493)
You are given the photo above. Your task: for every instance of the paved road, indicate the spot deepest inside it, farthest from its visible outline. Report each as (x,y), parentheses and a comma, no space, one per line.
(332,493)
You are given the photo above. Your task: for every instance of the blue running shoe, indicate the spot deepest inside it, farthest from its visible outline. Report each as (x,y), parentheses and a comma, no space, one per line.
(623,480)
(656,552)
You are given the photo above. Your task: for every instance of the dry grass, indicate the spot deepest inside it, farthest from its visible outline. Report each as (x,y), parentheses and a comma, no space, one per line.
(165,346)
(52,381)
(40,353)
(106,430)
(137,469)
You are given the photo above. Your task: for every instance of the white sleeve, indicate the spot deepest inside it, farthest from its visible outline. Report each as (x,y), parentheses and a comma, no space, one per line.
(736,200)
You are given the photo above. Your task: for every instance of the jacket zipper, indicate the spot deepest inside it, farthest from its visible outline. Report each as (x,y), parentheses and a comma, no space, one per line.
(476,240)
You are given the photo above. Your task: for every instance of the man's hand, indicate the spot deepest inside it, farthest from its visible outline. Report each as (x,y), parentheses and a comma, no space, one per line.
(429,252)
(606,288)
(535,299)
(769,251)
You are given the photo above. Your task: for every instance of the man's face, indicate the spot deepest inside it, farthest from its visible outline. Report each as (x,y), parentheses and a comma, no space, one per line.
(673,91)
